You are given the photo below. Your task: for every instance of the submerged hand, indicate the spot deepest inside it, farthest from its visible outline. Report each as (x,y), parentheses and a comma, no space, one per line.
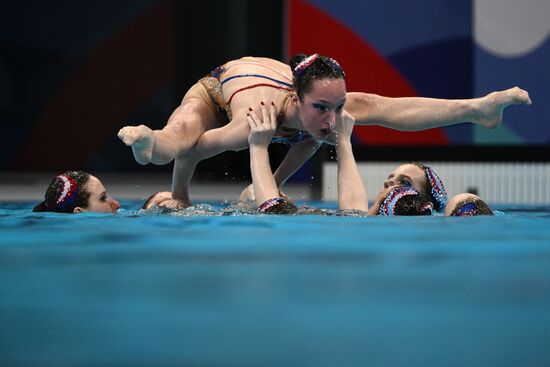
(141,139)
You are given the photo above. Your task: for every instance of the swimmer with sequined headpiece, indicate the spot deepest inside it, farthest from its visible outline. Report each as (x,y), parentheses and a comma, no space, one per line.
(423,179)
(311,99)
(467,205)
(76,192)
(401,200)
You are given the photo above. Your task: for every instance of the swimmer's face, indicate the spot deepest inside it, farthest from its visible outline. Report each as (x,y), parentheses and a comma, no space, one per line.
(408,175)
(321,108)
(157,199)
(99,201)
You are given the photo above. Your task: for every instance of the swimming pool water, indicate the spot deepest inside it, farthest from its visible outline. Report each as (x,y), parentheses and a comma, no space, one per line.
(249,290)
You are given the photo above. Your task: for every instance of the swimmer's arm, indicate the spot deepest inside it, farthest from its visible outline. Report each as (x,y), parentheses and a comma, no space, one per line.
(419,113)
(261,132)
(263,182)
(351,190)
(296,156)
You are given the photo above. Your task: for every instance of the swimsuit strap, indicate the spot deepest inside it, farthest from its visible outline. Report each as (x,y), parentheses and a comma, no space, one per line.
(259,76)
(254,86)
(258,64)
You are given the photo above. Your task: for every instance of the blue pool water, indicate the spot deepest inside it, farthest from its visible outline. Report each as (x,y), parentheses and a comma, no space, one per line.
(251,290)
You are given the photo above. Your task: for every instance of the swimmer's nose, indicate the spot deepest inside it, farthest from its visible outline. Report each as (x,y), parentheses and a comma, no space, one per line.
(389,183)
(114,205)
(331,119)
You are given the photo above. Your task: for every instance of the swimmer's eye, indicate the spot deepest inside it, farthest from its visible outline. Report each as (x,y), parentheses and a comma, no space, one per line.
(103,197)
(321,107)
(406,182)
(340,108)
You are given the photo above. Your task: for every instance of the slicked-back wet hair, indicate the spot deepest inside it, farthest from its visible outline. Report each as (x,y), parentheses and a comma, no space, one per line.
(322,67)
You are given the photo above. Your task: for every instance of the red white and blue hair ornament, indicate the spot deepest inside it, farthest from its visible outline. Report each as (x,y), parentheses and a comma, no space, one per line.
(437,190)
(67,193)
(270,203)
(388,205)
(304,64)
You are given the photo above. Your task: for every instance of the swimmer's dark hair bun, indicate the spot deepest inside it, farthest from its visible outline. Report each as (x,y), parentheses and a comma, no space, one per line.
(40,207)
(296,59)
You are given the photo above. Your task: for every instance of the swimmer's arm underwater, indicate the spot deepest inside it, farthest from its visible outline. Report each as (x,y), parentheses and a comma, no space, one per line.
(419,113)
(351,190)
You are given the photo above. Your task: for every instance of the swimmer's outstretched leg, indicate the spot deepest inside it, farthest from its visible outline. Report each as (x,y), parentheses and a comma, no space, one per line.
(420,113)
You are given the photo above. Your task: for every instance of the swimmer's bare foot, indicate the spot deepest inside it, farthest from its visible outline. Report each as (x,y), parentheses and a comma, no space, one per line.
(492,105)
(141,139)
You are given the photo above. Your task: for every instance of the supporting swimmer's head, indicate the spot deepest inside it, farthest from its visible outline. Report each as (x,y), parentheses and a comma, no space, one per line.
(278,206)
(467,205)
(76,191)
(401,200)
(422,178)
(320,92)
(157,198)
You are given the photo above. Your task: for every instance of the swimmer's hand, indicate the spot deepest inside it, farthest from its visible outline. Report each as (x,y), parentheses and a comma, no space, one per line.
(344,127)
(175,204)
(490,108)
(141,139)
(248,194)
(262,129)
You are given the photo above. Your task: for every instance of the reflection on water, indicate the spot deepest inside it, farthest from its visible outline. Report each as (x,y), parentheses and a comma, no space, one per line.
(201,287)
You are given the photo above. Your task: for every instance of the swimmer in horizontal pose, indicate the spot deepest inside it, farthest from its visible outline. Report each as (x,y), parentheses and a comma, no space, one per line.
(76,192)
(310,95)
(268,199)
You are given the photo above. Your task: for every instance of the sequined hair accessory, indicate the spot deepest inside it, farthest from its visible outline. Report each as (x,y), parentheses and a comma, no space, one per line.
(388,205)
(334,65)
(68,192)
(270,203)
(437,190)
(469,209)
(304,64)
